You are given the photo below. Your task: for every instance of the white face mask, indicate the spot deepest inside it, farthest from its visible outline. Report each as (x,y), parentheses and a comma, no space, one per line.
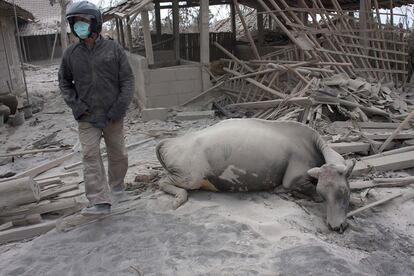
(81,29)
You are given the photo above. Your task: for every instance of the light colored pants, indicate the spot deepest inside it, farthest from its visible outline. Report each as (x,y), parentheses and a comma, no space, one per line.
(96,183)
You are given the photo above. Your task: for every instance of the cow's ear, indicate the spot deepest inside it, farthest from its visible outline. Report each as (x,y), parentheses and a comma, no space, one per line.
(314,172)
(350,164)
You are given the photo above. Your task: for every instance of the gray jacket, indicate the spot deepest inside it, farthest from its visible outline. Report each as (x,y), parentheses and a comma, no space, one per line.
(96,83)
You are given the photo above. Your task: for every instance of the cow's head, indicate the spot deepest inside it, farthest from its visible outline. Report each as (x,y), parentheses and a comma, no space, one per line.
(334,188)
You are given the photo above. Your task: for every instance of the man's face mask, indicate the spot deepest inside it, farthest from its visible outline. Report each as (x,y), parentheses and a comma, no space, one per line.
(82,29)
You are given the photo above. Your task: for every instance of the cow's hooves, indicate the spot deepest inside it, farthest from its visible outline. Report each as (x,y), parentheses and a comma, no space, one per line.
(180,199)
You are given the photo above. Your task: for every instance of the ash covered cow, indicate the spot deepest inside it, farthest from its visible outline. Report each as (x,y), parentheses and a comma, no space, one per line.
(241,155)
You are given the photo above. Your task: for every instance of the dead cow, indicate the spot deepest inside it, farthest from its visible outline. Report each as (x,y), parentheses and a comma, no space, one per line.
(240,155)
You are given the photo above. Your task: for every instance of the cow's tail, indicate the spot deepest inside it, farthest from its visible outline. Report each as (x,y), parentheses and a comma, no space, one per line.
(159,150)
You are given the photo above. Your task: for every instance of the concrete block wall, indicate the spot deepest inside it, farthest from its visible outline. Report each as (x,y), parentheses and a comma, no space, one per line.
(172,86)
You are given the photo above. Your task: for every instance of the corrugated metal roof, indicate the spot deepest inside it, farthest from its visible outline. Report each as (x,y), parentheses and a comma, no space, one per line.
(7,8)
(125,8)
(47,18)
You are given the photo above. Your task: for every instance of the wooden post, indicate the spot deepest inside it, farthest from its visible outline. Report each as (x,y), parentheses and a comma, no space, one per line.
(204,32)
(19,191)
(392,12)
(364,9)
(176,29)
(233,24)
(260,27)
(121,29)
(129,34)
(147,37)
(246,29)
(158,20)
(117,30)
(204,42)
(54,47)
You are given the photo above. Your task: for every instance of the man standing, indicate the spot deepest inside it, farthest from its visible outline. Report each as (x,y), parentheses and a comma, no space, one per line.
(97,83)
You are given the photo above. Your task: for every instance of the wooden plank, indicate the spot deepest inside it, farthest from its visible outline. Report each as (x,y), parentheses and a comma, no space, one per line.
(360,185)
(384,136)
(397,131)
(373,204)
(390,152)
(147,37)
(358,55)
(74,173)
(393,162)
(246,30)
(6,226)
(369,125)
(26,232)
(43,183)
(350,147)
(54,192)
(41,168)
(21,153)
(302,101)
(40,208)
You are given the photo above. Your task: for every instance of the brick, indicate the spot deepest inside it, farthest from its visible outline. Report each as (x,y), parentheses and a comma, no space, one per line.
(195,115)
(154,114)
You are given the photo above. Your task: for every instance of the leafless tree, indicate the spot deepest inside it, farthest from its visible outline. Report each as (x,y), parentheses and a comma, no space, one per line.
(63,31)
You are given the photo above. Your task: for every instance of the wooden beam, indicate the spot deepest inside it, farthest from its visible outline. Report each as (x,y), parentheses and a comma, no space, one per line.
(56,191)
(118,35)
(129,35)
(121,29)
(397,161)
(176,29)
(41,208)
(158,25)
(350,147)
(302,101)
(149,53)
(260,27)
(246,30)
(233,23)
(397,131)
(204,33)
(363,22)
(19,191)
(33,172)
(26,232)
(373,204)
(21,153)
(75,173)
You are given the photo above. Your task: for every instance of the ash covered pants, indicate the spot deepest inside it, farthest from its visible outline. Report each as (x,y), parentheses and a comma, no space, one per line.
(96,183)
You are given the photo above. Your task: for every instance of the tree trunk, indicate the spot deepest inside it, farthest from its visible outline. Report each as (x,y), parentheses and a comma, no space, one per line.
(19,191)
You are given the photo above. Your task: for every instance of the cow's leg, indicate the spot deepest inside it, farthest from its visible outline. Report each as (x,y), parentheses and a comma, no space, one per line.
(181,195)
(296,178)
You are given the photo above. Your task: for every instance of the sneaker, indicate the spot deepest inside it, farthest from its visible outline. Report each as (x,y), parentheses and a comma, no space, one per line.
(118,190)
(97,210)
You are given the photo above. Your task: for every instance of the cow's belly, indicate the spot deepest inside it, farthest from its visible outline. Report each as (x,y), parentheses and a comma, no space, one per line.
(238,179)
